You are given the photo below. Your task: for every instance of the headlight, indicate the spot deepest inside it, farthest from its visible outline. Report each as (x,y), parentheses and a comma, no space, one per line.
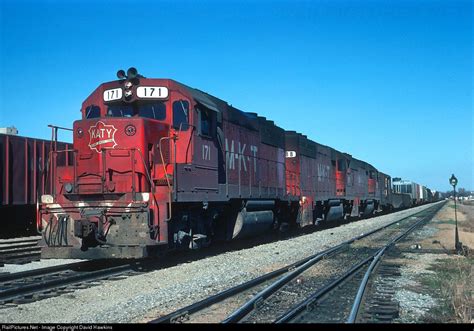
(68,187)
(80,132)
(46,198)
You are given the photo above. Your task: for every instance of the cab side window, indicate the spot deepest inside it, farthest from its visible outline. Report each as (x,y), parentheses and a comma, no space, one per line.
(181,115)
(341,165)
(92,111)
(205,121)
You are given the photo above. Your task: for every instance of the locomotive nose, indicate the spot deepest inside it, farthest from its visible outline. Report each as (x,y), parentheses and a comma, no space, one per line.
(112,155)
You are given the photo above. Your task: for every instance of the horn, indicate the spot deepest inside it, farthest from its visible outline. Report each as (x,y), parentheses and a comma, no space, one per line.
(132,72)
(121,74)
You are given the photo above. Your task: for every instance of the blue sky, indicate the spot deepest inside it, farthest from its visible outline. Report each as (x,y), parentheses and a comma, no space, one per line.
(389,82)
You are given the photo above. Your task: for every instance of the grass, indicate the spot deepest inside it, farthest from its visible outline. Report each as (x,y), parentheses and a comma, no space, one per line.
(468,212)
(452,283)
(450,221)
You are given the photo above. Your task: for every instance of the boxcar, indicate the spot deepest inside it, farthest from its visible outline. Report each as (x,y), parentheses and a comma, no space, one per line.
(24,165)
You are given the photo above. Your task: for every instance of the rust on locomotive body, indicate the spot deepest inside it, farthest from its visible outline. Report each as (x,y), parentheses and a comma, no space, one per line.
(158,165)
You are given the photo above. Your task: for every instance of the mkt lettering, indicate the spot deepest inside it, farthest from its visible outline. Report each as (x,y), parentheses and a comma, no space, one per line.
(232,155)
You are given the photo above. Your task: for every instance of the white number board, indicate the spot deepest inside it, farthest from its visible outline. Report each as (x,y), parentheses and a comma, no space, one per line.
(113,94)
(290,154)
(152,92)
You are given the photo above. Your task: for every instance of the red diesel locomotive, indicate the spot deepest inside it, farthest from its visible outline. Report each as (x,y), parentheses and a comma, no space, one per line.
(160,165)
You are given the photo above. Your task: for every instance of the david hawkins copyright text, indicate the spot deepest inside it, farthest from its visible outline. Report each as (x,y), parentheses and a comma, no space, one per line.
(54,327)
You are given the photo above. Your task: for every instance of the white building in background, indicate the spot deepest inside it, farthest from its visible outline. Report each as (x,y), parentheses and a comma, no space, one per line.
(9,130)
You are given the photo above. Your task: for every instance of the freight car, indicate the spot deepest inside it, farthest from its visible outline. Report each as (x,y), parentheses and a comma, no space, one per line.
(158,165)
(24,177)
(437,196)
(419,194)
(401,200)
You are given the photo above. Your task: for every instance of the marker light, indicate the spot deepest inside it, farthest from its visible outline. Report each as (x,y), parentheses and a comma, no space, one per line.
(80,132)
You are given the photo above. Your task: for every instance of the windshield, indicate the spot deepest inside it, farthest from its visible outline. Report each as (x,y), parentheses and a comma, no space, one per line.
(154,110)
(120,111)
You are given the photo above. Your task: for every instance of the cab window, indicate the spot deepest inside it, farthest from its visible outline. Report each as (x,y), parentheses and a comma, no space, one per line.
(341,165)
(153,110)
(205,122)
(120,111)
(181,115)
(92,111)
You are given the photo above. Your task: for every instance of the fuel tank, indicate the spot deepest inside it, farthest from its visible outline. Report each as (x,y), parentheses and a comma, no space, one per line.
(252,223)
(335,210)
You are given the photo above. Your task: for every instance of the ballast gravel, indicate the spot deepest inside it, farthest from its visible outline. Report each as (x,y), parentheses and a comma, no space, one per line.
(12,268)
(147,296)
(413,305)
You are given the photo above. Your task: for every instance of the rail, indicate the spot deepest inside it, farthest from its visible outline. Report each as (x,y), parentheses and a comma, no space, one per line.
(375,260)
(372,259)
(289,273)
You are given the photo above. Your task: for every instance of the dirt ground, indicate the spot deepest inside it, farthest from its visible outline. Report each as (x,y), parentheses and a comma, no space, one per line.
(444,222)
(436,284)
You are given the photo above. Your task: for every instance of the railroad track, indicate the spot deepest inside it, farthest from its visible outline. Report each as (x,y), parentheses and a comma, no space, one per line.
(19,250)
(326,287)
(33,285)
(38,284)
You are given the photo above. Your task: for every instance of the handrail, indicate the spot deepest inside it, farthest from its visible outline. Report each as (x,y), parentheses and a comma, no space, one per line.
(147,173)
(163,161)
(53,166)
(174,137)
(103,170)
(53,146)
(54,133)
(59,127)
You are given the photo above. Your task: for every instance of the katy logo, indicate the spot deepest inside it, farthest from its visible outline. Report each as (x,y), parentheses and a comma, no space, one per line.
(102,136)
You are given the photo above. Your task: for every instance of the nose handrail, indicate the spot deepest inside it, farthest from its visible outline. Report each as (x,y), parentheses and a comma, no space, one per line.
(54,155)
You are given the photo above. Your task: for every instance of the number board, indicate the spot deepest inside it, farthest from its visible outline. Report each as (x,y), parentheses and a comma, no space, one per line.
(152,92)
(113,94)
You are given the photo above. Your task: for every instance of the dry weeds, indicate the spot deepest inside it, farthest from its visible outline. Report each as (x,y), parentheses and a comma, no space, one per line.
(453,278)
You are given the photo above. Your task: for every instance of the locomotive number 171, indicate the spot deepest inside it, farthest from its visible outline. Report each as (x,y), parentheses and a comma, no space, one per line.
(152,92)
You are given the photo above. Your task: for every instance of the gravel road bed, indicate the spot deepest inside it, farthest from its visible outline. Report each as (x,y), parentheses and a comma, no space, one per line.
(147,296)
(12,268)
